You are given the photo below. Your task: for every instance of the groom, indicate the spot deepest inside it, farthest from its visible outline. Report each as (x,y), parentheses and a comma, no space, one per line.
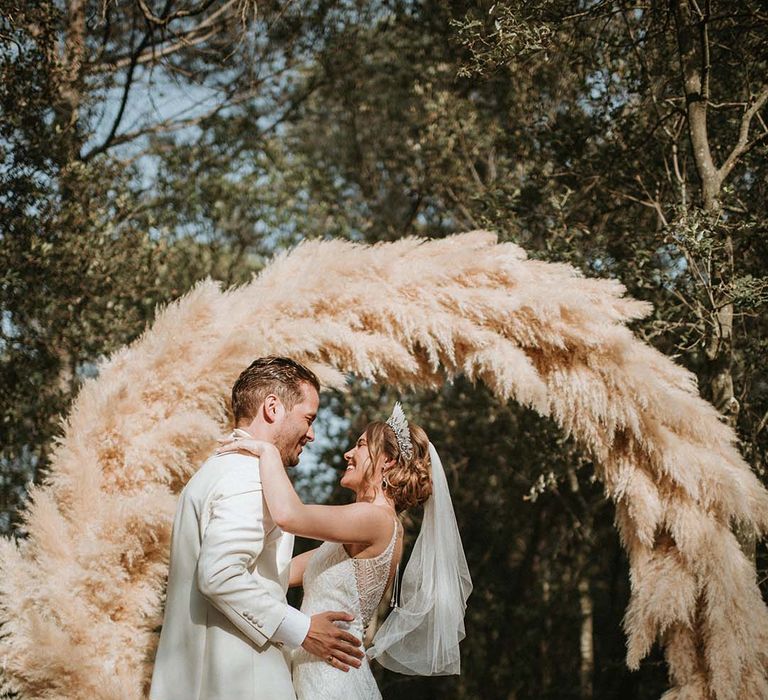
(227,627)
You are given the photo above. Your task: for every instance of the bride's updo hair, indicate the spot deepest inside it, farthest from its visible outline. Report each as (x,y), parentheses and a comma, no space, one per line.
(409,481)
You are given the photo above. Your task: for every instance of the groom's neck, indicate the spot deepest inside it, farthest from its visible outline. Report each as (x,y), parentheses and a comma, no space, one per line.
(258,431)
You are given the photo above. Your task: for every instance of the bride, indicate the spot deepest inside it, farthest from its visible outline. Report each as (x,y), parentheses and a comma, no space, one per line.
(391,467)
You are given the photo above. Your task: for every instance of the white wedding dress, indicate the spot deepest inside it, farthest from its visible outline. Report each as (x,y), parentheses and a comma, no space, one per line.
(335,581)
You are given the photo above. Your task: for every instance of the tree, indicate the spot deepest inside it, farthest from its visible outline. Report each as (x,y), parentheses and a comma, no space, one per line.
(95,96)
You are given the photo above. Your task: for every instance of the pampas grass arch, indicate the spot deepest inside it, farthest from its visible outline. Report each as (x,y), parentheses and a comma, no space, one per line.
(81,596)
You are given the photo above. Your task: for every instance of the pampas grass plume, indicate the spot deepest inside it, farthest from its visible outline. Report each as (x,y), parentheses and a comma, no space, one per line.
(81,596)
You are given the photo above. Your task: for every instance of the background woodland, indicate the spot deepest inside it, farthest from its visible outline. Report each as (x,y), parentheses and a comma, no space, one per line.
(149,144)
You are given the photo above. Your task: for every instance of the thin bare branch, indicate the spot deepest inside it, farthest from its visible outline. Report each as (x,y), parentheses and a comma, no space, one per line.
(164,19)
(743,144)
(172,123)
(215,21)
(706,65)
(650,203)
(761,425)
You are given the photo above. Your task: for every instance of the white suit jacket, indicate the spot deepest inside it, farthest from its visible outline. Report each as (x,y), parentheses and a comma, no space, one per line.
(226,591)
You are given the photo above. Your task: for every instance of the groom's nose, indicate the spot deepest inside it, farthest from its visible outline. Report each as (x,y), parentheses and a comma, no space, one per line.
(310,434)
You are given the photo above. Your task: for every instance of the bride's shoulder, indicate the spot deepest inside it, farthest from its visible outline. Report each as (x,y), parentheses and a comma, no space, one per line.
(376,522)
(384,518)
(376,513)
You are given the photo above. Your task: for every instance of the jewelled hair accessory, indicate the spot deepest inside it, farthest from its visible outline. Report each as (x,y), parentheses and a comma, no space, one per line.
(399,423)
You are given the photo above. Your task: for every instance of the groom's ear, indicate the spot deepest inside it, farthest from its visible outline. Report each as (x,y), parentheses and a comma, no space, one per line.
(273,408)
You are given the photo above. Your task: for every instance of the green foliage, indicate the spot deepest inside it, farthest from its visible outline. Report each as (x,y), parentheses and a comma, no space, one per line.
(82,267)
(79,279)
(507,34)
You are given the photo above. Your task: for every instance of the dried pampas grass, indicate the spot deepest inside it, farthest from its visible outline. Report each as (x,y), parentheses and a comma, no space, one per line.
(81,597)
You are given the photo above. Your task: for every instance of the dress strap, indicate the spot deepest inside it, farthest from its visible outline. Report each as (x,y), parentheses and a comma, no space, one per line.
(394,534)
(391,546)
(389,549)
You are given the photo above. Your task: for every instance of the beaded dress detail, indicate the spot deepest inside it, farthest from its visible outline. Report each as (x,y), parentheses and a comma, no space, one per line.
(335,581)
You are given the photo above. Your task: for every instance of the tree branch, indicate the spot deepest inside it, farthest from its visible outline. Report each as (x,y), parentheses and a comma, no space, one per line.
(229,100)
(182,40)
(763,422)
(743,144)
(126,90)
(164,19)
(167,125)
(123,103)
(705,57)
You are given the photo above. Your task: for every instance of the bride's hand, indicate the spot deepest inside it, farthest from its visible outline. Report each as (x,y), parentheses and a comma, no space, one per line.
(256,447)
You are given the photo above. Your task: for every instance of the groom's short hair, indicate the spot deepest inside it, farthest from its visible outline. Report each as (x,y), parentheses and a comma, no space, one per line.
(281,376)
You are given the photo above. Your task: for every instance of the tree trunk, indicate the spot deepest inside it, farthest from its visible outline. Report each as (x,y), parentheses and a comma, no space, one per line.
(71,67)
(693,50)
(542,569)
(586,644)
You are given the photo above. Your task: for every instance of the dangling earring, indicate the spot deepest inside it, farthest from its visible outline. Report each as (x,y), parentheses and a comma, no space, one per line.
(384,483)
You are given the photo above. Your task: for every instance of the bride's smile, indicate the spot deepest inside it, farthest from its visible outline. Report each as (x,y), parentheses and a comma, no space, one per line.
(358,460)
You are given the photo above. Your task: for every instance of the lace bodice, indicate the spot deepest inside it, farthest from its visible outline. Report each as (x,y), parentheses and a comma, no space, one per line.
(335,581)
(372,576)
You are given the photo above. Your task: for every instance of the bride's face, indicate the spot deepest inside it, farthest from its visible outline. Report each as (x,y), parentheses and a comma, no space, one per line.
(358,461)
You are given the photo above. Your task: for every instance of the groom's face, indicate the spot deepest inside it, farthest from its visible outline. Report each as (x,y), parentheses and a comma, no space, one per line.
(295,428)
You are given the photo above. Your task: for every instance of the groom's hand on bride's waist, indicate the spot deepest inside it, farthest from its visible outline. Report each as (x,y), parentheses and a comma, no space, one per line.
(331,643)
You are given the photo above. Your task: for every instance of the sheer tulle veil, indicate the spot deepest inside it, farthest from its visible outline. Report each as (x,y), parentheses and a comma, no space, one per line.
(422,635)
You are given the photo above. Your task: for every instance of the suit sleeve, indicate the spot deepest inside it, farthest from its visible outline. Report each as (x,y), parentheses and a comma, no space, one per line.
(293,630)
(232,539)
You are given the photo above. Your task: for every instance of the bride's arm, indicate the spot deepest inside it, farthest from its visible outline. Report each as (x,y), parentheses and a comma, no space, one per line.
(356,523)
(298,565)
